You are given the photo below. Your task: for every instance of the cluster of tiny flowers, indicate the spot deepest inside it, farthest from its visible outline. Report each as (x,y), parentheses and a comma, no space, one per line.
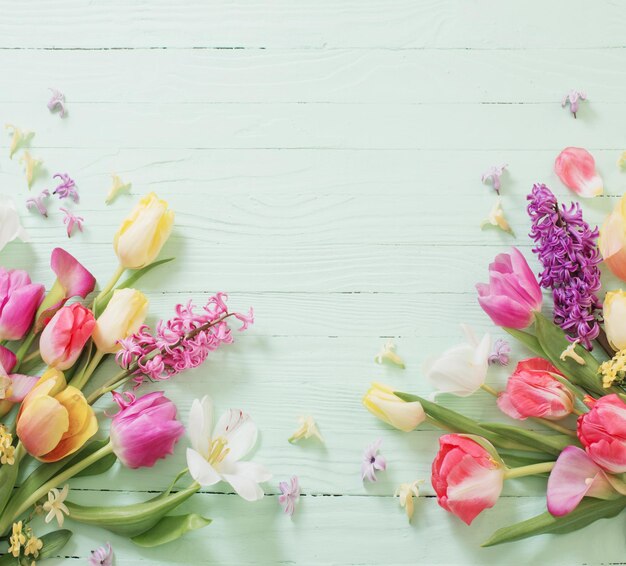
(567,249)
(613,370)
(180,343)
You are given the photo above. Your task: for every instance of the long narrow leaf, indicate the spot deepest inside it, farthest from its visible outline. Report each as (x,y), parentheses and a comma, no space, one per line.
(169,529)
(529,340)
(546,442)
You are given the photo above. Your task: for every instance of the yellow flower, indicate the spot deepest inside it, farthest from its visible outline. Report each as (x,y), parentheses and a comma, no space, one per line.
(614,311)
(33,545)
(570,352)
(307,429)
(388,353)
(17,539)
(31,166)
(613,369)
(141,236)
(116,188)
(55,506)
(381,401)
(621,162)
(19,138)
(496,218)
(7,450)
(122,317)
(406,492)
(612,240)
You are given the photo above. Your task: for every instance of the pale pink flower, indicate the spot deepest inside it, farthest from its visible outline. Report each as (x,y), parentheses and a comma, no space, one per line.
(57,101)
(71,220)
(289,495)
(372,462)
(66,188)
(102,556)
(37,202)
(492,175)
(573,98)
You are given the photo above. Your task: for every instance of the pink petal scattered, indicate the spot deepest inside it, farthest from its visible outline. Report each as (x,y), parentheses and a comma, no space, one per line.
(576,168)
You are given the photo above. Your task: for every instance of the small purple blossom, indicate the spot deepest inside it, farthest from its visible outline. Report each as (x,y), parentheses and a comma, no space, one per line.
(102,556)
(568,251)
(492,175)
(573,98)
(71,220)
(500,353)
(372,461)
(66,188)
(37,202)
(57,101)
(289,495)
(181,343)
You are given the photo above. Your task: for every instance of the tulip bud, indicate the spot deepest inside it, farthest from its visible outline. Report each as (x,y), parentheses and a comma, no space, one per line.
(19,299)
(381,401)
(122,317)
(63,339)
(614,310)
(512,294)
(145,429)
(612,240)
(466,477)
(53,424)
(141,236)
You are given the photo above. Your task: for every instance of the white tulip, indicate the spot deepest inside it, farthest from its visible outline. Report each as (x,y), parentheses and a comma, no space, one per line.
(10,225)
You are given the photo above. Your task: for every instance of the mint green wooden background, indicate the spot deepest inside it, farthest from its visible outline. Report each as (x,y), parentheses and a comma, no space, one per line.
(324,159)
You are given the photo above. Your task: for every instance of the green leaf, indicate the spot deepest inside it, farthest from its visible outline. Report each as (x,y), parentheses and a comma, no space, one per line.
(529,340)
(588,511)
(129,282)
(130,520)
(53,543)
(8,477)
(170,528)
(99,467)
(553,342)
(543,442)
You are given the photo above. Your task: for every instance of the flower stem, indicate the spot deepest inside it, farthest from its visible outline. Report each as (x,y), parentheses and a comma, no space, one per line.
(21,352)
(112,282)
(10,515)
(80,380)
(554,426)
(489,389)
(529,470)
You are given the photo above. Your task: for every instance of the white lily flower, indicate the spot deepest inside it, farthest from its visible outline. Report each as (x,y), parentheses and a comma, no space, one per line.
(462,369)
(216,453)
(10,225)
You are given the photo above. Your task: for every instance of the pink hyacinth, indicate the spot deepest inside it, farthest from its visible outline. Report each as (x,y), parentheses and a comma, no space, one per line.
(181,343)
(71,221)
(66,187)
(145,429)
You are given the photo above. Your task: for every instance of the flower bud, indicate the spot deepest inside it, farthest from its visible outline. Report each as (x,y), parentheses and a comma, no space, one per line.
(614,310)
(122,317)
(612,240)
(381,401)
(141,236)
(63,339)
(145,429)
(19,299)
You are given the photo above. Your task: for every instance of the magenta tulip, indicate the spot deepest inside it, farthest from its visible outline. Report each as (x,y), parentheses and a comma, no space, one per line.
(512,295)
(63,339)
(145,429)
(73,280)
(7,360)
(19,299)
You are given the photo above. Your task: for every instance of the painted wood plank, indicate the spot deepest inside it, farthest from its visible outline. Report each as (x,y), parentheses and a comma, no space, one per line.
(323,24)
(347,76)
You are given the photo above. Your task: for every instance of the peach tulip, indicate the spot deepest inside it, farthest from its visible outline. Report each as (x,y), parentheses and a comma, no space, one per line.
(612,240)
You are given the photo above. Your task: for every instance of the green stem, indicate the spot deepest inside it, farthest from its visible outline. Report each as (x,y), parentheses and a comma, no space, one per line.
(530,470)
(489,389)
(112,282)
(57,481)
(554,426)
(21,352)
(80,380)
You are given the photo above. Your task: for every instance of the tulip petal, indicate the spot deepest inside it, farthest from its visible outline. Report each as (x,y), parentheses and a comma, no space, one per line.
(21,386)
(239,430)
(245,477)
(73,277)
(201,424)
(576,168)
(7,360)
(41,424)
(200,470)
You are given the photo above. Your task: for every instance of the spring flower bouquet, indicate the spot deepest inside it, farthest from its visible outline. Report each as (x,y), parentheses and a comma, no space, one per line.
(571,387)
(52,347)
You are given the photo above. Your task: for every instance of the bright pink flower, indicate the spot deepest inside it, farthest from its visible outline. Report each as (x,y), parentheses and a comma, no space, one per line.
(573,477)
(576,168)
(512,294)
(19,299)
(73,280)
(602,432)
(7,360)
(465,476)
(145,429)
(532,392)
(64,337)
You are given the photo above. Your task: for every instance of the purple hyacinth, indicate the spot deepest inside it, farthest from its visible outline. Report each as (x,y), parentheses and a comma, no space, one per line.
(568,251)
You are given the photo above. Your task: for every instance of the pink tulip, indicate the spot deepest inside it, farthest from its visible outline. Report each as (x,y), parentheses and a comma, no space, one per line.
(512,294)
(573,477)
(19,299)
(602,432)
(73,280)
(145,429)
(576,168)
(63,339)
(532,392)
(466,477)
(7,360)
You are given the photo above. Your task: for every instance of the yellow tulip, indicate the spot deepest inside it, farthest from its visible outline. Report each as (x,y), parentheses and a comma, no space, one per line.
(612,240)
(55,421)
(122,317)
(141,236)
(614,310)
(381,401)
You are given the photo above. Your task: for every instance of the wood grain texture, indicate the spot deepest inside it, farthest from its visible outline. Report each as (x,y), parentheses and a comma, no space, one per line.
(324,161)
